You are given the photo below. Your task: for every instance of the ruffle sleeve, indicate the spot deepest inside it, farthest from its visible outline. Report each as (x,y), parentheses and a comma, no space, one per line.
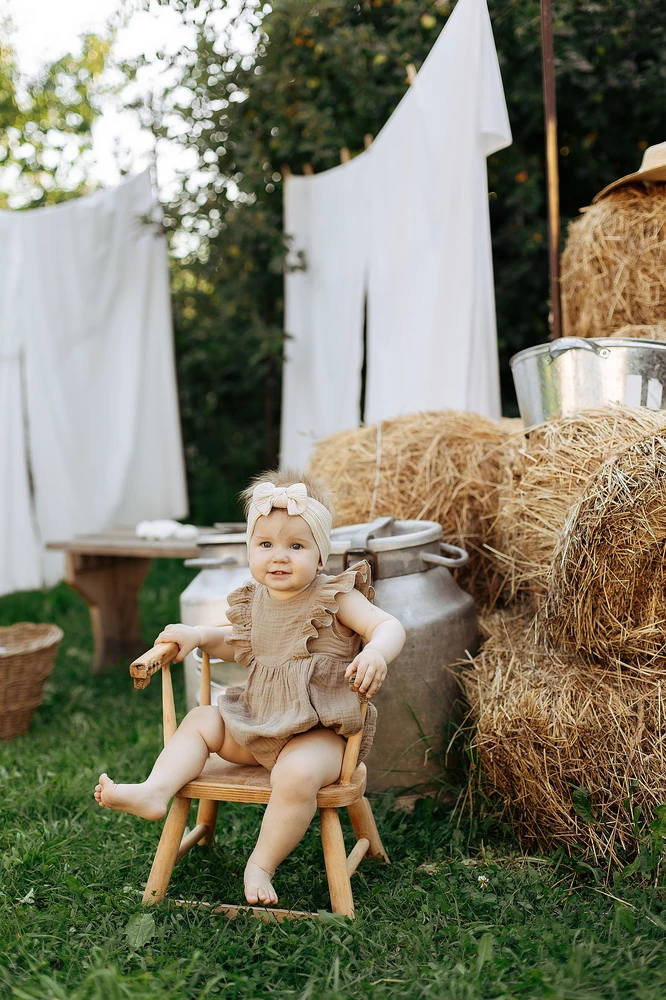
(239,614)
(325,605)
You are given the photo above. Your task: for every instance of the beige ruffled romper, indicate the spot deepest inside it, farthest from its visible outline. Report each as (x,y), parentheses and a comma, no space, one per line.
(297,653)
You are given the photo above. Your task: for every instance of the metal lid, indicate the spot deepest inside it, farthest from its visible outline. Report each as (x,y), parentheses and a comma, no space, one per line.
(397,535)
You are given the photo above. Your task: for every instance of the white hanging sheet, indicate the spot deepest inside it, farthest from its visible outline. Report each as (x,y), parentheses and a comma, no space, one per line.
(432,340)
(324,215)
(102,408)
(20,550)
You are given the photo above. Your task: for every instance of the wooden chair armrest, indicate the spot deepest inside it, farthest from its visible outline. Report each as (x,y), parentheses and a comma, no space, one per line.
(352,750)
(149,663)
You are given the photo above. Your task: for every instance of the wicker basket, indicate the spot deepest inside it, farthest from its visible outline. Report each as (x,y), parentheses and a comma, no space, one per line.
(27,653)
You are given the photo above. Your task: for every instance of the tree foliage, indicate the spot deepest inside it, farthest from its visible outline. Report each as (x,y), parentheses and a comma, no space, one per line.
(46,125)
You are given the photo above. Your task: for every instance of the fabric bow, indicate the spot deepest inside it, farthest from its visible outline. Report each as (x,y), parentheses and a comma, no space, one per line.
(294,498)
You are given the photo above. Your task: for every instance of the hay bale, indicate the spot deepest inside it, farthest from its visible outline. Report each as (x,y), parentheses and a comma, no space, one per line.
(613,265)
(656,332)
(564,745)
(607,593)
(443,466)
(549,473)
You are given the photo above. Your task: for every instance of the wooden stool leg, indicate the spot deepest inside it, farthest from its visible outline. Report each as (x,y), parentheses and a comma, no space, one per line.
(207,813)
(167,850)
(360,814)
(335,858)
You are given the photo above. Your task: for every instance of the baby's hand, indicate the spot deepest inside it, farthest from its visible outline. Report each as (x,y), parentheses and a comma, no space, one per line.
(370,670)
(186,636)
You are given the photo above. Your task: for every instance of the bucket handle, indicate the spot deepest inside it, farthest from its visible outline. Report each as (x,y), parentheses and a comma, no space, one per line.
(564,344)
(460,557)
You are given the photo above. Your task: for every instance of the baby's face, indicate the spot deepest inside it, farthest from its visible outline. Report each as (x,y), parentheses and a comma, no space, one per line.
(283,554)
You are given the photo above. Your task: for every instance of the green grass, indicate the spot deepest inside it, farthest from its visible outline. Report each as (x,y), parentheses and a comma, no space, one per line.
(71,876)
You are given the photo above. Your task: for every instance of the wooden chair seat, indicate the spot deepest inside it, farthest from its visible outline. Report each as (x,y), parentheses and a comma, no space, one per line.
(221,781)
(225,782)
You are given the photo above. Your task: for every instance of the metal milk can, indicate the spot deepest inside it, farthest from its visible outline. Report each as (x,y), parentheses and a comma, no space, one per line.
(224,568)
(413,582)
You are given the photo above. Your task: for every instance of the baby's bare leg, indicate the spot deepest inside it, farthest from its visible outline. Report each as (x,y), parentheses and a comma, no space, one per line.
(308,762)
(201,733)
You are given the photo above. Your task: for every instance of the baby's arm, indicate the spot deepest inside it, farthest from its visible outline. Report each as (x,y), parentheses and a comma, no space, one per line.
(212,640)
(383,637)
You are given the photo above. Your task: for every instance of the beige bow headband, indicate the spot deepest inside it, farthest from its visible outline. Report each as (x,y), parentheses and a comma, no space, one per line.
(296,501)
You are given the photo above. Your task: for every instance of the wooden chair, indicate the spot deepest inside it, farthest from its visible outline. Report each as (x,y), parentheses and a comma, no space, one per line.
(221,781)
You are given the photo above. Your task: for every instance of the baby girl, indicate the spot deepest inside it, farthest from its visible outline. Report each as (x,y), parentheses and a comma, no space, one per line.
(299,632)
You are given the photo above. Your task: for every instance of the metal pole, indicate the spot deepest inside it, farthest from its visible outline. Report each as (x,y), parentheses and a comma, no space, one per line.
(552,172)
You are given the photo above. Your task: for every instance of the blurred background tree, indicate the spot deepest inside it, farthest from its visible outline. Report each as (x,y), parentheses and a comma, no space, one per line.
(46,125)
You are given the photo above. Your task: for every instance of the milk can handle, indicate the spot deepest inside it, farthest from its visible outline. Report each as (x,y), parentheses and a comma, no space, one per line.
(461,557)
(565,344)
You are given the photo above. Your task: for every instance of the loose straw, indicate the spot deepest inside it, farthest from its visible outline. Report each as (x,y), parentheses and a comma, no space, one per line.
(378,469)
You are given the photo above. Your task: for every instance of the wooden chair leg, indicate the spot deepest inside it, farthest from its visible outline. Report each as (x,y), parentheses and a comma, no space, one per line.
(335,858)
(360,814)
(207,814)
(167,851)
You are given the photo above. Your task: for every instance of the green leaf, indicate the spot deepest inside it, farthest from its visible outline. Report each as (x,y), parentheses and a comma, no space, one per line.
(139,930)
(485,952)
(624,917)
(658,824)
(581,803)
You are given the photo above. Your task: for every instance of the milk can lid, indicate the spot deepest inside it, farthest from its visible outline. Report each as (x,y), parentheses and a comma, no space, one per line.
(395,535)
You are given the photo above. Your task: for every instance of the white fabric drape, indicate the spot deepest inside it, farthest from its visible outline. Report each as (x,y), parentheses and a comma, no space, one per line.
(324,307)
(104,432)
(432,339)
(410,222)
(20,561)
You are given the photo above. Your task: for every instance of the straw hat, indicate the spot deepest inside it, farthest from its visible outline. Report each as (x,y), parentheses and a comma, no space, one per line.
(653,168)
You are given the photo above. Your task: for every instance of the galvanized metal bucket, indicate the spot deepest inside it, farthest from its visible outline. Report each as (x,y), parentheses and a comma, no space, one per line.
(574,374)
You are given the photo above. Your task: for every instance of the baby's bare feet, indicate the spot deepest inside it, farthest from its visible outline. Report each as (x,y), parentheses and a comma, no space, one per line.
(135,799)
(258,885)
